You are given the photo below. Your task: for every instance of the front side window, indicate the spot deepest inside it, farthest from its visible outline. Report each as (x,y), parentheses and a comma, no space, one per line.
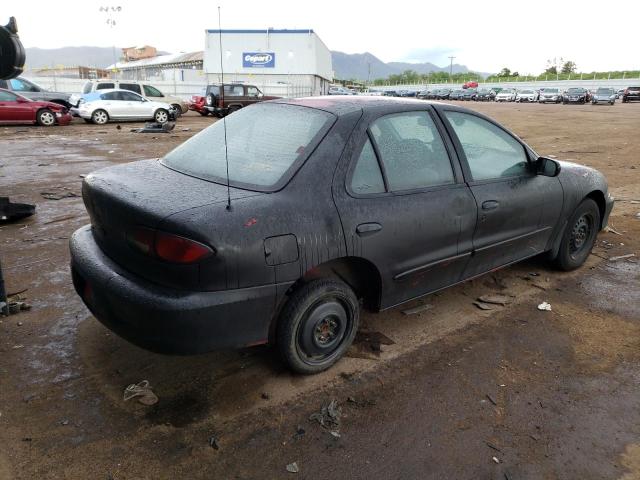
(133,87)
(253,92)
(367,177)
(265,143)
(491,152)
(412,151)
(150,91)
(7,97)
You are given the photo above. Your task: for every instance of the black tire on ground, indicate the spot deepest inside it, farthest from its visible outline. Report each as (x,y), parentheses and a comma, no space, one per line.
(46,118)
(100,117)
(317,325)
(233,109)
(579,236)
(87,120)
(204,113)
(161,116)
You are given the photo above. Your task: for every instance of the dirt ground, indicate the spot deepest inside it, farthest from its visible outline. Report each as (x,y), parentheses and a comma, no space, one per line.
(461,393)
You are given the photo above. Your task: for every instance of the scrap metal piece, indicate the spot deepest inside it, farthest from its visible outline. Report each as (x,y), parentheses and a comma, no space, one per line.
(10,211)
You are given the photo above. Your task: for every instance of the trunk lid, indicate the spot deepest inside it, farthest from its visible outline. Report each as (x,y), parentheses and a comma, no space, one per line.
(143,194)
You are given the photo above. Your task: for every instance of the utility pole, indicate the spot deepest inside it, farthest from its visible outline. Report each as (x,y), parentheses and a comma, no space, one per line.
(110,13)
(451,67)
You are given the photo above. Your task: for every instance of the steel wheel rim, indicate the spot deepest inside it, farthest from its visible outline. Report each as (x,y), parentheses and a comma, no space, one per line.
(47,118)
(161,117)
(581,234)
(326,324)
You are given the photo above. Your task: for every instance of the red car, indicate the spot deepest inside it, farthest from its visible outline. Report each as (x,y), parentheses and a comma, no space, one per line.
(15,108)
(197,104)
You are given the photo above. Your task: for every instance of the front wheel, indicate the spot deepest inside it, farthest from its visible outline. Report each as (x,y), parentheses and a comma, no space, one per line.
(317,325)
(46,118)
(178,109)
(579,236)
(161,116)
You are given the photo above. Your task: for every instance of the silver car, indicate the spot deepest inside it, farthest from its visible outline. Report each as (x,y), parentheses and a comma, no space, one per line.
(526,96)
(550,95)
(604,95)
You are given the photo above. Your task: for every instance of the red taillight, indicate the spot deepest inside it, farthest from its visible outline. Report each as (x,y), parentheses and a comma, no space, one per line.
(167,246)
(176,249)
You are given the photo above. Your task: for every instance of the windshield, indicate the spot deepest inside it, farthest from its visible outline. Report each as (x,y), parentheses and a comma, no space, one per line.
(550,90)
(526,91)
(266,143)
(575,90)
(605,91)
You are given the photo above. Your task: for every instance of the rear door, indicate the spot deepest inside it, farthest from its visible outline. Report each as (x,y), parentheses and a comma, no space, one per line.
(517,209)
(403,203)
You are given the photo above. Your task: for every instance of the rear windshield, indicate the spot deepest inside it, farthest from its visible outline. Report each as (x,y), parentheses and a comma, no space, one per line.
(266,143)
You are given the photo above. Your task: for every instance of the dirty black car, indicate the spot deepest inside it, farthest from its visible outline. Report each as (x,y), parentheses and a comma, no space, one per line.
(331,204)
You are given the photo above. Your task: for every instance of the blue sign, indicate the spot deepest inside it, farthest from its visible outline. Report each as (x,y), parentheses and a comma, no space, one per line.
(258,60)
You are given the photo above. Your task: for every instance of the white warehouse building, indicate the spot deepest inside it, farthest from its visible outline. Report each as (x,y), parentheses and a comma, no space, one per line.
(291,63)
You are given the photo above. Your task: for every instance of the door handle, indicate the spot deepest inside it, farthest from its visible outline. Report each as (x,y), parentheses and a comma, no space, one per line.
(365,229)
(490,205)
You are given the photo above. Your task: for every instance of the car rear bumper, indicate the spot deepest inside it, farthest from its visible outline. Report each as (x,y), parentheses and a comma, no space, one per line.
(162,319)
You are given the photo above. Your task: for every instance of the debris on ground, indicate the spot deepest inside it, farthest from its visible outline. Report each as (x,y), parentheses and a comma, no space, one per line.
(143,391)
(299,432)
(293,468)
(265,396)
(495,459)
(621,257)
(492,400)
(545,306)
(611,230)
(368,345)
(329,416)
(59,193)
(496,299)
(213,442)
(335,433)
(492,446)
(10,211)
(484,306)
(417,309)
(155,127)
(15,304)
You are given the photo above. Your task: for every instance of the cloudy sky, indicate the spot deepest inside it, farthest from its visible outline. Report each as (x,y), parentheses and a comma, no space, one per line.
(484,36)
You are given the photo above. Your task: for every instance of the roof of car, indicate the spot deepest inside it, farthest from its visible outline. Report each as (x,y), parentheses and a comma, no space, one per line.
(343,105)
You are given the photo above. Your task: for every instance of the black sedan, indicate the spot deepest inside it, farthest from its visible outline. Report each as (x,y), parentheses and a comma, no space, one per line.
(329,204)
(575,95)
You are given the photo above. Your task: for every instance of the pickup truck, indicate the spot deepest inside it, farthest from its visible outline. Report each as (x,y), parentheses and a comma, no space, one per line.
(32,91)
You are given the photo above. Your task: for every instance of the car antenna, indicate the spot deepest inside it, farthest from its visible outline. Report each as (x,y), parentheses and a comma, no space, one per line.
(224,119)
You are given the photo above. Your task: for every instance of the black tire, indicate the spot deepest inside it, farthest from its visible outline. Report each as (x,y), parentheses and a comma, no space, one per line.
(233,109)
(579,236)
(178,109)
(161,116)
(46,118)
(87,120)
(317,325)
(100,117)
(204,113)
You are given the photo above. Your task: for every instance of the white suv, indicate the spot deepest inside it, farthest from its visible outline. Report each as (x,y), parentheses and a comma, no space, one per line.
(145,89)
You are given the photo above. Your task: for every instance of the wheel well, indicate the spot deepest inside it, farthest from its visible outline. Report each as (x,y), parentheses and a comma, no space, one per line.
(64,103)
(598,197)
(360,274)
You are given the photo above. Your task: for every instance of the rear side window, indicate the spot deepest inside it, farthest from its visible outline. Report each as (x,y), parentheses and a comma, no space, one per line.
(110,96)
(105,86)
(7,97)
(367,177)
(412,151)
(134,87)
(234,90)
(150,91)
(18,85)
(265,143)
(129,97)
(491,152)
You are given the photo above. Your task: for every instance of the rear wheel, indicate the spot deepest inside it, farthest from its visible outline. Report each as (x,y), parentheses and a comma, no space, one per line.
(161,116)
(46,118)
(233,109)
(579,236)
(317,325)
(99,117)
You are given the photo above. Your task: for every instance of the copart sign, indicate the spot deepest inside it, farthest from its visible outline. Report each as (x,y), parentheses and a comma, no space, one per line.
(258,59)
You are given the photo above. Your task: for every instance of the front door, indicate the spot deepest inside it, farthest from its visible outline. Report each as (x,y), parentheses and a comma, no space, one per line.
(11,110)
(517,209)
(403,204)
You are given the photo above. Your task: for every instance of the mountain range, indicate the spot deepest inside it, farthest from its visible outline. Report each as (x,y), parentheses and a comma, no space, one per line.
(356,66)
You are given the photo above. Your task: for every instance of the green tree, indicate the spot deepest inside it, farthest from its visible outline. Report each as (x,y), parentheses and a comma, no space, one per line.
(569,67)
(505,72)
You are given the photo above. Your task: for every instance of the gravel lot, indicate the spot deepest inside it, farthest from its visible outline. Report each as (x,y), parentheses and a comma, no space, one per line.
(462,393)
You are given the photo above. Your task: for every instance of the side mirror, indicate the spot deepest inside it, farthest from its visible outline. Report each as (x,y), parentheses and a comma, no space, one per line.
(547,167)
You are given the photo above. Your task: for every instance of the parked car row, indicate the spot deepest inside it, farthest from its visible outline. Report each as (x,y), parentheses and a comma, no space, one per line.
(543,95)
